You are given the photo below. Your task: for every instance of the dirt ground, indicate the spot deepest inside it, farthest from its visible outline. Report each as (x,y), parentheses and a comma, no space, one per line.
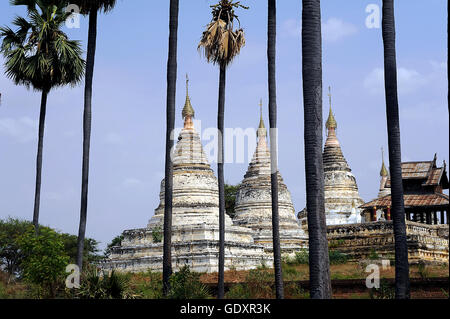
(338,272)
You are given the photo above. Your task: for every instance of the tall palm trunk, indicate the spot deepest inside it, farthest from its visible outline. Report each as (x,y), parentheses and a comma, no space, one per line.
(37,194)
(271,56)
(319,265)
(87,118)
(220,176)
(395,159)
(170,124)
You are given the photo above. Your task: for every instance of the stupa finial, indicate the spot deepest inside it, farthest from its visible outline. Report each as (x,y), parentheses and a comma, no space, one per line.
(331,122)
(384,171)
(188,110)
(262,132)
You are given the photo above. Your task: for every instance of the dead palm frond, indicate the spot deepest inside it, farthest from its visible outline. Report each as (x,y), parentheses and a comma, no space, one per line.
(219,42)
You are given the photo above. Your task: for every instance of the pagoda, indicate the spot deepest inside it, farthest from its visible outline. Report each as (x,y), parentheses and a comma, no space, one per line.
(195,219)
(341,190)
(253,206)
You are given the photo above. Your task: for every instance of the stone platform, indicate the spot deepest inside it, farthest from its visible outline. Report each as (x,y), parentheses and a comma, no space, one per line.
(196,246)
(426,243)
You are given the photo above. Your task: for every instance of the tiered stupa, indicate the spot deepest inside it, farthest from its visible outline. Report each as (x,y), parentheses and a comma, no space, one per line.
(253,206)
(384,174)
(341,190)
(195,231)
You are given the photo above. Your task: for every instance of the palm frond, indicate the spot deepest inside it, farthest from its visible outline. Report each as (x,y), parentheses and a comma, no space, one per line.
(219,42)
(39,54)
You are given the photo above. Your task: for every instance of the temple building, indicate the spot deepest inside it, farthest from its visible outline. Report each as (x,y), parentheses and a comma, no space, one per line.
(342,198)
(423,185)
(426,210)
(253,207)
(195,220)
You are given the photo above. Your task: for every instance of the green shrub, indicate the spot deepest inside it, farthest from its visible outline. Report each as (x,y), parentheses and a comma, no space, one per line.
(423,271)
(337,257)
(386,291)
(293,290)
(186,285)
(44,260)
(373,255)
(3,294)
(302,257)
(97,285)
(259,283)
(238,291)
(157,234)
(289,272)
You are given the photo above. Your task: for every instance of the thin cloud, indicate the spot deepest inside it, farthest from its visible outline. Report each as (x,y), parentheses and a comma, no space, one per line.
(22,130)
(409,80)
(333,30)
(113,138)
(131,182)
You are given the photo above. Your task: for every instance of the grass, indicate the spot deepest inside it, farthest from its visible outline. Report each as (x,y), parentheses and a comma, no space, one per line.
(256,283)
(293,272)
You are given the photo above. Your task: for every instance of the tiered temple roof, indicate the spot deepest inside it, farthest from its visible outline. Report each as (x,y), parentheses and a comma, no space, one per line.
(423,185)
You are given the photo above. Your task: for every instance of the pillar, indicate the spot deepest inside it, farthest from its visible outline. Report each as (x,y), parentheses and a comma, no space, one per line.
(428,217)
(422,219)
(442,217)
(435,217)
(388,213)
(446,215)
(374,215)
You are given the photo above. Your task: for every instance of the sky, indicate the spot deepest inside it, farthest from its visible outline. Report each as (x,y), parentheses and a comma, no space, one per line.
(128,126)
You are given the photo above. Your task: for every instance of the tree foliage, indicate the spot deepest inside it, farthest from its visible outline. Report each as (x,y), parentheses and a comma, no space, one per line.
(230,198)
(12,254)
(91,250)
(117,241)
(44,258)
(39,54)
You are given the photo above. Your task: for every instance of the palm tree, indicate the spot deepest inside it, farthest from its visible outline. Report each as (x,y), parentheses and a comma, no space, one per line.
(221,44)
(40,55)
(170,124)
(90,7)
(271,55)
(402,290)
(319,265)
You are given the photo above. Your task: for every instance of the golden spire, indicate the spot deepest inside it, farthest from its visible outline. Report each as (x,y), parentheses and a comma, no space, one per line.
(384,171)
(188,110)
(262,128)
(331,122)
